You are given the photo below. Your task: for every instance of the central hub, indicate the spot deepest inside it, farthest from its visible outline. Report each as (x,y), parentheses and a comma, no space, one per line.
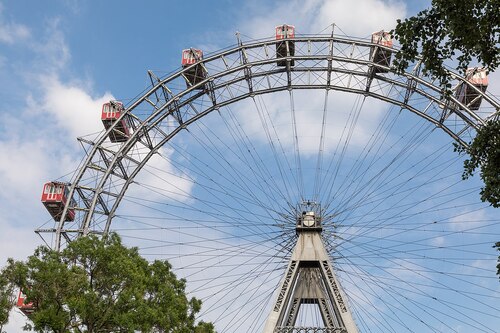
(308,217)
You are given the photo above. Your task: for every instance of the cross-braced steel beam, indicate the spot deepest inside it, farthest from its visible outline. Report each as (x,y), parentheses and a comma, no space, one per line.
(310,279)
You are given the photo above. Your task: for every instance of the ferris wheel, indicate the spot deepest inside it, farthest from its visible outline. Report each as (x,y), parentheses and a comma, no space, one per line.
(222,166)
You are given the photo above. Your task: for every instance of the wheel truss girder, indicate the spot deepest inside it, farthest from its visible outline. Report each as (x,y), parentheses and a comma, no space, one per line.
(310,278)
(330,57)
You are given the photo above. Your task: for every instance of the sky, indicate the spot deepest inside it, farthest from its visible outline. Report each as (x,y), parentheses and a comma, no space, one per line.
(61,60)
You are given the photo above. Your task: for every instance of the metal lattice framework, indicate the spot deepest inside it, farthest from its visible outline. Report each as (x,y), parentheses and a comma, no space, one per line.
(310,279)
(243,71)
(309,330)
(174,104)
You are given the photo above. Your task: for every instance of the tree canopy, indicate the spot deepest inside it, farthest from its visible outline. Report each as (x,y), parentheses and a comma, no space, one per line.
(484,153)
(7,290)
(464,31)
(99,285)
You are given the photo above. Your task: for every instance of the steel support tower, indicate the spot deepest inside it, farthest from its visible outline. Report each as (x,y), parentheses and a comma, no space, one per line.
(310,279)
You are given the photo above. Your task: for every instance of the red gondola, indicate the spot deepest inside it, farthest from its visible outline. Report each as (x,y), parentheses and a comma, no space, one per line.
(378,55)
(465,94)
(197,73)
(110,113)
(54,197)
(285,31)
(26,308)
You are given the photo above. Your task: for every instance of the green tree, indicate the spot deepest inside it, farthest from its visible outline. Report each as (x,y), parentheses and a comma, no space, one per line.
(9,281)
(99,285)
(484,153)
(461,31)
(450,30)
(7,290)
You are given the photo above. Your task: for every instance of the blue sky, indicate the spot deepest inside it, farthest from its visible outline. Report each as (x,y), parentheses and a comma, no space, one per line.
(61,60)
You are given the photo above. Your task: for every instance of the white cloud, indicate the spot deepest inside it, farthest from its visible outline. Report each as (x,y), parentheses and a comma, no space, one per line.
(438,241)
(39,150)
(408,273)
(368,16)
(38,130)
(16,241)
(26,164)
(161,181)
(31,155)
(74,5)
(466,220)
(11,32)
(72,108)
(312,16)
(16,322)
(309,107)
(53,53)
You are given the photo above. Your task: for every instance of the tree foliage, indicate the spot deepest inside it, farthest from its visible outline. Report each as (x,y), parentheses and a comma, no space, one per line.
(5,301)
(461,31)
(9,283)
(7,290)
(484,153)
(458,30)
(97,285)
